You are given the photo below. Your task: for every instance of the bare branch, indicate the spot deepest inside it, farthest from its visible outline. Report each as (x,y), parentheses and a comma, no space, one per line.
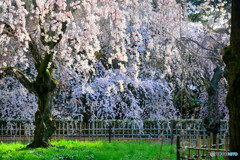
(20,76)
(33,45)
(7,29)
(34,4)
(43,33)
(47,58)
(49,54)
(52,44)
(35,52)
(196,42)
(42,65)
(191,51)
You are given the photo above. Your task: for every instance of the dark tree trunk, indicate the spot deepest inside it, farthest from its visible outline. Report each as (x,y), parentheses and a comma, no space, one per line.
(44,126)
(212,120)
(86,111)
(232,60)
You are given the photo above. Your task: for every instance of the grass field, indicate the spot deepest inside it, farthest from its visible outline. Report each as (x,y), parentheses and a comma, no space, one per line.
(98,150)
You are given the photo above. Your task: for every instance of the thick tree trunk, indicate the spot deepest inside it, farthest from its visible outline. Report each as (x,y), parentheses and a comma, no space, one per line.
(233,103)
(212,120)
(86,111)
(44,126)
(232,60)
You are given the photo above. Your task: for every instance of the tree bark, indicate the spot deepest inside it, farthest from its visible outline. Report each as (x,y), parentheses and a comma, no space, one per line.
(44,126)
(232,60)
(212,120)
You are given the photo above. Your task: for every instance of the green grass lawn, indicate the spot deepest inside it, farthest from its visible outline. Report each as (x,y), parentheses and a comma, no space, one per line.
(97,150)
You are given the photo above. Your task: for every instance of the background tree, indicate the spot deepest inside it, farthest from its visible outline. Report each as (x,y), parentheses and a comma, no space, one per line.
(212,70)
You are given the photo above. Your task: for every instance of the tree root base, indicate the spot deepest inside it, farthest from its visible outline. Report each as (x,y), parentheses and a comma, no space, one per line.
(41,144)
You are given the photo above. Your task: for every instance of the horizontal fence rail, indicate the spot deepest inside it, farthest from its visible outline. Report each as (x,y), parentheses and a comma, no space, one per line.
(155,130)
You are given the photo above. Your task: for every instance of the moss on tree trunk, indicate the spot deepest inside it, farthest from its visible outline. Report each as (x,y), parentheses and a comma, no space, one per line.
(44,127)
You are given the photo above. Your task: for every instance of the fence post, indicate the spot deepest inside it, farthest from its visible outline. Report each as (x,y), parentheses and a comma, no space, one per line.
(204,144)
(109,134)
(166,128)
(81,129)
(183,142)
(85,126)
(225,145)
(84,130)
(29,130)
(67,131)
(178,147)
(194,133)
(189,145)
(132,128)
(95,132)
(199,147)
(55,132)
(93,129)
(127,131)
(217,146)
(72,129)
(89,125)
(15,132)
(209,147)
(105,131)
(101,129)
(211,137)
(118,129)
(154,128)
(123,131)
(59,127)
(24,138)
(114,138)
(2,129)
(11,130)
(172,125)
(20,132)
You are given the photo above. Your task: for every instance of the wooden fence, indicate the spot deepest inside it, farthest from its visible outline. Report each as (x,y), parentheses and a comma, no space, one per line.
(23,130)
(203,149)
